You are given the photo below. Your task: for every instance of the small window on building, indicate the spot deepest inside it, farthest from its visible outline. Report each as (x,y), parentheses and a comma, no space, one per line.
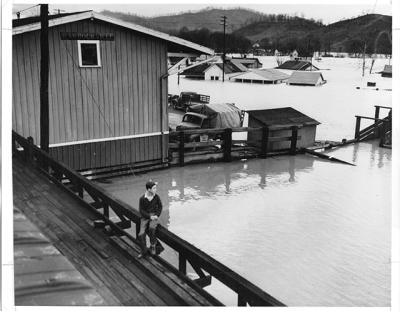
(212,77)
(89,53)
(216,78)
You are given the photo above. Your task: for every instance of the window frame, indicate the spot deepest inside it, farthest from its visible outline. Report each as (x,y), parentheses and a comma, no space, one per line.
(97,42)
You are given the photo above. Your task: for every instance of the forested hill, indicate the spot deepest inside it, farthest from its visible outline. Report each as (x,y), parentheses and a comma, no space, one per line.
(281,31)
(208,18)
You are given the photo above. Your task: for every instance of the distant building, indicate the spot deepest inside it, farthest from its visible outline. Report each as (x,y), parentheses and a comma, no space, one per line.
(261,76)
(387,71)
(297,65)
(294,55)
(249,63)
(282,117)
(308,78)
(214,71)
(196,72)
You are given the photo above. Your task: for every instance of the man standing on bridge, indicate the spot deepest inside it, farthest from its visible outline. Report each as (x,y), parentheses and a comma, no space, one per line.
(150,208)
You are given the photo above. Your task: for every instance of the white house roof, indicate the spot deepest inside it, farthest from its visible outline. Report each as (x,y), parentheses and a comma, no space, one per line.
(305,77)
(90,14)
(263,74)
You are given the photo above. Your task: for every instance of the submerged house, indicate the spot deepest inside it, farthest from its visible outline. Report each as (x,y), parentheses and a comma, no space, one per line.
(297,65)
(214,71)
(278,118)
(108,89)
(307,78)
(261,76)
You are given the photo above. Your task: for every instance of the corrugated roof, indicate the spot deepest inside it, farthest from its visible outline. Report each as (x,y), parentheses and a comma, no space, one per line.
(282,116)
(36,19)
(263,74)
(296,65)
(175,43)
(247,60)
(305,77)
(231,68)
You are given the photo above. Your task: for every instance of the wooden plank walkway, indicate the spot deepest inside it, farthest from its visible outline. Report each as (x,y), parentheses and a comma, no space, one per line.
(108,264)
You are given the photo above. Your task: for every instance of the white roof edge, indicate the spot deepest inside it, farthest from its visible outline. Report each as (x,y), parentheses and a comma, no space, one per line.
(90,14)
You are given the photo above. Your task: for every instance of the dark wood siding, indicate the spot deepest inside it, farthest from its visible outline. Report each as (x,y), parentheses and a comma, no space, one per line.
(121,98)
(109,153)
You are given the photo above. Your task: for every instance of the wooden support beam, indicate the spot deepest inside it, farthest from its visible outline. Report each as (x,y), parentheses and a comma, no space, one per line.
(182,263)
(228,145)
(264,141)
(203,281)
(357,130)
(293,143)
(44,77)
(241,301)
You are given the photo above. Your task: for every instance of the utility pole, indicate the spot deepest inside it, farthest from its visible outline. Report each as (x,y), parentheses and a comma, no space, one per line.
(363,66)
(44,77)
(223,21)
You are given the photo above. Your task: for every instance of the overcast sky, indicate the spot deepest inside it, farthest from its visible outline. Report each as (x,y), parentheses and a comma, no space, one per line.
(329,13)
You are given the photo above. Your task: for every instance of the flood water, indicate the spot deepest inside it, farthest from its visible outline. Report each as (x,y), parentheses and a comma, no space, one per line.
(309,232)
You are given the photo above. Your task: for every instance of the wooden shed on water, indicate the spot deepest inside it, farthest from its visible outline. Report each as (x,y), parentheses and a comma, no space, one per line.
(107,89)
(282,118)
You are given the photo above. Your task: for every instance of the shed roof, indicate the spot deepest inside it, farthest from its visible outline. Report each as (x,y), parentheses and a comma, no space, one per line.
(296,65)
(282,116)
(175,43)
(247,60)
(196,70)
(263,74)
(238,64)
(305,77)
(231,67)
(387,69)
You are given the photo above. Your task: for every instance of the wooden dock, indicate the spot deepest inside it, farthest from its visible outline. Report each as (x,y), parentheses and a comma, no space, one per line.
(65,206)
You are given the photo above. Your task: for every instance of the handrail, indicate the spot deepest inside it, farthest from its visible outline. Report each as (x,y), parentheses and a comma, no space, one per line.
(247,292)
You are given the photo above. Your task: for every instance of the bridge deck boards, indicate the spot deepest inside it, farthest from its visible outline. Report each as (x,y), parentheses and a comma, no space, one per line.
(104,262)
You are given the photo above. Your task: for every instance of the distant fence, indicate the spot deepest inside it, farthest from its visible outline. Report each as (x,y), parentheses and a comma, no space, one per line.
(187,145)
(101,202)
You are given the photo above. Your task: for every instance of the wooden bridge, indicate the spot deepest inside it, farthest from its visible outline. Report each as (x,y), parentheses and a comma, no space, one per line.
(70,211)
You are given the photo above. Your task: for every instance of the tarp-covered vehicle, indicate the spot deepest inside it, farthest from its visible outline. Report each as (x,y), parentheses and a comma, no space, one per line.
(211,116)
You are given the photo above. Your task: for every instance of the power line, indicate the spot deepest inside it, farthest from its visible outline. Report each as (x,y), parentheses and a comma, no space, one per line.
(20,11)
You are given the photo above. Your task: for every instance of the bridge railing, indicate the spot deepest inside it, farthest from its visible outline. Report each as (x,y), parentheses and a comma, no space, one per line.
(101,202)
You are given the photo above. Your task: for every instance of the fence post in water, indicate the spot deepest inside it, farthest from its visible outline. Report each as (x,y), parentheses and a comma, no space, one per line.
(357,132)
(264,141)
(181,148)
(383,134)
(228,145)
(293,142)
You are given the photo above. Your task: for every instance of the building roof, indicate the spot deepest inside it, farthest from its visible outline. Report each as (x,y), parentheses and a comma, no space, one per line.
(263,74)
(387,69)
(296,65)
(238,64)
(281,116)
(175,43)
(305,77)
(246,60)
(231,67)
(197,70)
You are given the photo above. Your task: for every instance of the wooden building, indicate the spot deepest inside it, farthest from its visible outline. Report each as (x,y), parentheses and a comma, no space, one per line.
(261,76)
(282,118)
(215,71)
(306,78)
(108,89)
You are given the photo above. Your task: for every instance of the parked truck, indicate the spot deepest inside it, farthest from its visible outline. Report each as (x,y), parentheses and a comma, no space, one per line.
(188,99)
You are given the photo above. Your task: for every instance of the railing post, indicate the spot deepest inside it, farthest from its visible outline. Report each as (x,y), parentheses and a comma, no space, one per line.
(182,264)
(358,123)
(383,134)
(377,109)
(241,301)
(181,148)
(293,142)
(228,145)
(29,151)
(264,141)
